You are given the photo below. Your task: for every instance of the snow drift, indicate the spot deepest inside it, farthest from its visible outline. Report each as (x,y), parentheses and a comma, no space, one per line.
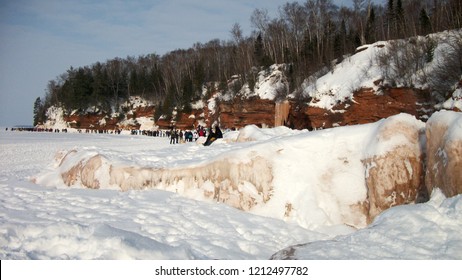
(398,233)
(339,176)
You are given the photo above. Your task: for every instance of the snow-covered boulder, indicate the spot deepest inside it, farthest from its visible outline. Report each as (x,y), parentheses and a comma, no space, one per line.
(394,167)
(82,167)
(444,152)
(241,183)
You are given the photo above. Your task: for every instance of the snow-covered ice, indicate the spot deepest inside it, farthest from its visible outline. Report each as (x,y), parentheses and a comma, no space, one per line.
(48,220)
(74,223)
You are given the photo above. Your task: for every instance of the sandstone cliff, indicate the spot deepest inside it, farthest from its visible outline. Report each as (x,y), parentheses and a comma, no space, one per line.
(368,106)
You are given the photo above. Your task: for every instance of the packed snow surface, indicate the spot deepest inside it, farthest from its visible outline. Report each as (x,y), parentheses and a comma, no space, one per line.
(48,220)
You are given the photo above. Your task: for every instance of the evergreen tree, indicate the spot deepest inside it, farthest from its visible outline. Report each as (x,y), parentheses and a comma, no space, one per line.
(400,19)
(198,77)
(425,23)
(339,45)
(258,50)
(391,21)
(187,96)
(370,27)
(82,89)
(38,111)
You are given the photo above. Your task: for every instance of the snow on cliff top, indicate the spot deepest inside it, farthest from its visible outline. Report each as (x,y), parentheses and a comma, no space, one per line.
(55,115)
(271,82)
(354,72)
(135,102)
(55,118)
(363,70)
(455,101)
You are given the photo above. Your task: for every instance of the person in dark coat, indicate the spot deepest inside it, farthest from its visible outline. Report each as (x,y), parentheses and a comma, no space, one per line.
(214,134)
(218,132)
(172,136)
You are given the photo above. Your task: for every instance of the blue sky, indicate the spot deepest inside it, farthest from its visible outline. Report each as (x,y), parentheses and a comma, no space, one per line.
(41,39)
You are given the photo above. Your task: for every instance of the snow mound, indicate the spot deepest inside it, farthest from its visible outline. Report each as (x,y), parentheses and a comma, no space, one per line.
(239,183)
(79,241)
(61,222)
(254,133)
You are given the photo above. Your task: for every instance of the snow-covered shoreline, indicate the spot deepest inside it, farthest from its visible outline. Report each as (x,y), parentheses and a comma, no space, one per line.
(75,223)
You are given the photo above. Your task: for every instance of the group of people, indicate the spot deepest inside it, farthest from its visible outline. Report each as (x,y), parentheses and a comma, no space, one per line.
(35,129)
(178,136)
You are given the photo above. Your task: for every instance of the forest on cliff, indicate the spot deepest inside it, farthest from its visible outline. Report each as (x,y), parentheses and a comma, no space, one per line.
(309,37)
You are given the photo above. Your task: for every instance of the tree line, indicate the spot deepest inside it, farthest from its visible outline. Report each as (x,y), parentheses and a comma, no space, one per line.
(306,36)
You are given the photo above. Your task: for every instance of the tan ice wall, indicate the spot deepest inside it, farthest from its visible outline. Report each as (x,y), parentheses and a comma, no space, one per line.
(281,114)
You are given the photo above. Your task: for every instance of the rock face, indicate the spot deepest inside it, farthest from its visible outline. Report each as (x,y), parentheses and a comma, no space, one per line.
(444,153)
(367,107)
(245,112)
(101,121)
